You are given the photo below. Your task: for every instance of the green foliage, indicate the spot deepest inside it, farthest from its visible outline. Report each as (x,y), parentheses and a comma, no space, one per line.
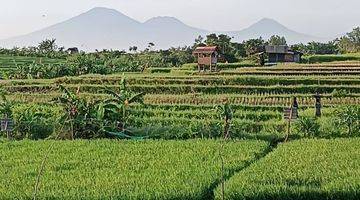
(36,121)
(277,40)
(329,58)
(81,117)
(351,42)
(340,93)
(160,70)
(47,46)
(180,105)
(117,107)
(102,169)
(307,126)
(349,118)
(5,105)
(226,114)
(305,169)
(253,46)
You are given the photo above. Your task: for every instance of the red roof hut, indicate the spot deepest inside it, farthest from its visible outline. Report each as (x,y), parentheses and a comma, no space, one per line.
(207,57)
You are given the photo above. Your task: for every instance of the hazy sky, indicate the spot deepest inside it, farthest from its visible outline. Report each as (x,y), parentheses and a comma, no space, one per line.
(317,17)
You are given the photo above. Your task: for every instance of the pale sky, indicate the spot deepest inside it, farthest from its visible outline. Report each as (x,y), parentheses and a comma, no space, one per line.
(317,17)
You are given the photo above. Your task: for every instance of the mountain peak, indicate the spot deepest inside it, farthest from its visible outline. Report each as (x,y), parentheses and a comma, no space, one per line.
(102,15)
(265,19)
(163,20)
(102,10)
(106,13)
(268,23)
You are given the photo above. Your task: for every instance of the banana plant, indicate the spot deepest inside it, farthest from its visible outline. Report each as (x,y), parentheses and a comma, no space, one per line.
(226,114)
(118,105)
(5,105)
(79,114)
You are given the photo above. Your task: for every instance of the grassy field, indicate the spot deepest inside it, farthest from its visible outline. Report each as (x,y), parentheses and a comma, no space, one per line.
(305,169)
(104,169)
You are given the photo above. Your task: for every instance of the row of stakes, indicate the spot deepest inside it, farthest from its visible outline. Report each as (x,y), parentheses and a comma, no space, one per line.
(291,113)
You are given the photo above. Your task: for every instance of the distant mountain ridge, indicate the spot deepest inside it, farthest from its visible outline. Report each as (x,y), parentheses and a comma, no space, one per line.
(266,28)
(104,28)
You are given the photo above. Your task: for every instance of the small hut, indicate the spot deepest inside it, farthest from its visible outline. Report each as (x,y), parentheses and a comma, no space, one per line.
(281,53)
(207,57)
(73,50)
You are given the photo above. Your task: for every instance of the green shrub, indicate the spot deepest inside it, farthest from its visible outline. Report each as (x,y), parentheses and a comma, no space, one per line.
(36,121)
(348,117)
(307,126)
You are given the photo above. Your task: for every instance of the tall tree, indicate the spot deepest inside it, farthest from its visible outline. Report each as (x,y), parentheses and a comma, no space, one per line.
(253,46)
(199,41)
(277,40)
(211,40)
(351,42)
(47,46)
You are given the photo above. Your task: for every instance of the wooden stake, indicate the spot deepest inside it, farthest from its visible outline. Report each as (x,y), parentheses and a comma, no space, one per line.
(289,124)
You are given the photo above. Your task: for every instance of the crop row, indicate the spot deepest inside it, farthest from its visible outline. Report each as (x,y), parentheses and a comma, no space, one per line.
(243,80)
(206,114)
(292,73)
(299,69)
(185,89)
(159,99)
(283,101)
(185,128)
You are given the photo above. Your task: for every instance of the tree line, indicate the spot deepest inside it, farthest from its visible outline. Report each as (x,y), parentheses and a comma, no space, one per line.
(111,61)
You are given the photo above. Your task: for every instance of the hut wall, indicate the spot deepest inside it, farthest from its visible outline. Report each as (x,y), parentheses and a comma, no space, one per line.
(204,60)
(289,57)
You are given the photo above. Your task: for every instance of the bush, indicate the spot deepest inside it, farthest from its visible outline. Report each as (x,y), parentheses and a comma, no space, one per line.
(348,117)
(307,126)
(36,121)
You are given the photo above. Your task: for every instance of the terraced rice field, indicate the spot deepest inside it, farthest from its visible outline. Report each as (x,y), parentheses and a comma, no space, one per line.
(183,101)
(180,105)
(10,62)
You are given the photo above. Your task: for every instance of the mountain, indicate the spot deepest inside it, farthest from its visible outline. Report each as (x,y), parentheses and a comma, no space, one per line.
(104,28)
(266,28)
(169,31)
(101,28)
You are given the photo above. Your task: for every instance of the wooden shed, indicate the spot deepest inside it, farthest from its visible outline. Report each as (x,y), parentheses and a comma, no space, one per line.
(281,53)
(207,57)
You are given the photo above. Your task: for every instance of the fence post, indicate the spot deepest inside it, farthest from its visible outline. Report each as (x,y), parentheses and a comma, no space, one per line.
(317,105)
(293,110)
